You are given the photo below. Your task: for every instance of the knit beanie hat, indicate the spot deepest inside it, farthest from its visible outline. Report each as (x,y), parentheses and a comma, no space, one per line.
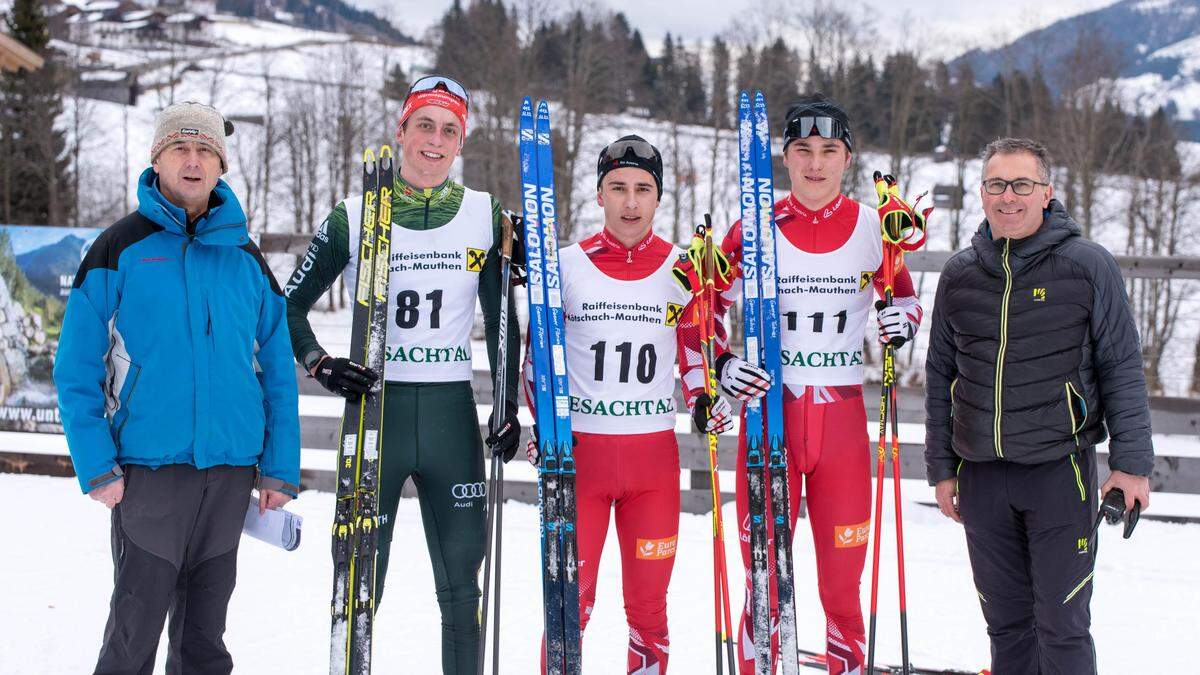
(191,121)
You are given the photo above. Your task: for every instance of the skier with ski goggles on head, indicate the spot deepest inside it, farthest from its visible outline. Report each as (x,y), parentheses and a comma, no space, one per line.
(828,256)
(624,331)
(444,254)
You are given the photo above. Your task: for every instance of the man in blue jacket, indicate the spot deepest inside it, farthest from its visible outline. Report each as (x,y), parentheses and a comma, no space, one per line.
(178,396)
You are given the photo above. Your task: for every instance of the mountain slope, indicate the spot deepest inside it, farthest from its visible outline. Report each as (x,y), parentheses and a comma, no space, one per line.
(1154,44)
(327,15)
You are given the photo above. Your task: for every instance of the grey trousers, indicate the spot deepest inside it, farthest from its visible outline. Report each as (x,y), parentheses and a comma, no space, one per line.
(175,536)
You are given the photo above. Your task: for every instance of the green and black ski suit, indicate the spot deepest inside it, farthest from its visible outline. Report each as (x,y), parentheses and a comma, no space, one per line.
(444,245)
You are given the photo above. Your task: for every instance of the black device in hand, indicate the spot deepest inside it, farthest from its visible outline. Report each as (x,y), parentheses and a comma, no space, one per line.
(1113,510)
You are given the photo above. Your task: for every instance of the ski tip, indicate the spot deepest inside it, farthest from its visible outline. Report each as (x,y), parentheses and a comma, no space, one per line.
(369,159)
(543,110)
(744,98)
(385,152)
(527,106)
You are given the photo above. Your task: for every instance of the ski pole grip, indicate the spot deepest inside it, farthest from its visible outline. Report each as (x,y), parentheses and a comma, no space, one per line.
(506,236)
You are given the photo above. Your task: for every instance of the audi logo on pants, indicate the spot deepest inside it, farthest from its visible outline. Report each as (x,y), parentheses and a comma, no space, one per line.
(468,490)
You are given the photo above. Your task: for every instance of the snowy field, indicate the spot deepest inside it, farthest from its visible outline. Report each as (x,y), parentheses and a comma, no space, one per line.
(58,575)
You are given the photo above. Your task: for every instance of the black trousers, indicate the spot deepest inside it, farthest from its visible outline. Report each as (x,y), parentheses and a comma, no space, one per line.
(175,536)
(1027,532)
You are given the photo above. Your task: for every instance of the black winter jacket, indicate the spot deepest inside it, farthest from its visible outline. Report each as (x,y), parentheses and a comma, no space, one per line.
(1033,351)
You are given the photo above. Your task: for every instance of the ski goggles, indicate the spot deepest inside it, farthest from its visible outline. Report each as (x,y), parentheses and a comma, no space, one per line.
(432,82)
(641,149)
(804,126)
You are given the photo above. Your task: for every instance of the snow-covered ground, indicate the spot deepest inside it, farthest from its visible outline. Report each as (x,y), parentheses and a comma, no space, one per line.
(57,572)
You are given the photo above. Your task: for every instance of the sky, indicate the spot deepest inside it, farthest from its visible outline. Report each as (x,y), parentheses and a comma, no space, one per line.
(939,28)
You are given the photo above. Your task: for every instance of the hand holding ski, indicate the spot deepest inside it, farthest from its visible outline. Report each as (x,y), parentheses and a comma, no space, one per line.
(344,377)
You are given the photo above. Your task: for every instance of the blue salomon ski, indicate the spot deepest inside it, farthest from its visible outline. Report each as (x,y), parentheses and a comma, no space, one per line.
(777,473)
(760,595)
(766,457)
(556,466)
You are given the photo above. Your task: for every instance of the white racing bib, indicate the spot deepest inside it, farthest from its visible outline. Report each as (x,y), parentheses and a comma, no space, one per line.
(824,302)
(432,289)
(621,348)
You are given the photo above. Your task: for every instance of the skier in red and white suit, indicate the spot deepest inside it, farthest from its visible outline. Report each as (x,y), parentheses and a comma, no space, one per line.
(622,308)
(828,257)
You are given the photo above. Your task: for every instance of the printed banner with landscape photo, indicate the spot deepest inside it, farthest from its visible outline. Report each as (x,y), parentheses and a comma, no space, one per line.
(37,269)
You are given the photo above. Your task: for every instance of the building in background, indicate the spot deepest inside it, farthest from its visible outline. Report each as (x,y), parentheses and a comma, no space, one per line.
(15,56)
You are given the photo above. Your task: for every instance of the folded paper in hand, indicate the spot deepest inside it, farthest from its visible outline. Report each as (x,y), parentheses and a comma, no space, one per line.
(276,527)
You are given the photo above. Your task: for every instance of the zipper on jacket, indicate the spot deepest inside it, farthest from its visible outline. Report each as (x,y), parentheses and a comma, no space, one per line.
(953,383)
(998,403)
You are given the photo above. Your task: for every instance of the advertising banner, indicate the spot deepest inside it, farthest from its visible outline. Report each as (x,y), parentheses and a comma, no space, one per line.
(37,269)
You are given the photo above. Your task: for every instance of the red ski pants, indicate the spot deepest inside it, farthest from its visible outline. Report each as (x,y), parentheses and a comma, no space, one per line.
(828,449)
(637,476)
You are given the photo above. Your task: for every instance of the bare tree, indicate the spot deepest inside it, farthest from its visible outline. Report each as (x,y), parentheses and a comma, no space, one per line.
(1161,209)
(586,62)
(1091,126)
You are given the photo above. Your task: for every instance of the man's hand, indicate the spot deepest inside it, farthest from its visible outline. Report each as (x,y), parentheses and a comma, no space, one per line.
(503,442)
(896,325)
(712,417)
(344,377)
(271,499)
(1134,487)
(740,379)
(946,492)
(109,494)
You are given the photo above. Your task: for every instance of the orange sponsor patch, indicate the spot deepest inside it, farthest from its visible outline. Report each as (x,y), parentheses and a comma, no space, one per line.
(656,549)
(849,536)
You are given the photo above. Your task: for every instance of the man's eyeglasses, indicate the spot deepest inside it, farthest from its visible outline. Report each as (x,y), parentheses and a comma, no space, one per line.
(1022,187)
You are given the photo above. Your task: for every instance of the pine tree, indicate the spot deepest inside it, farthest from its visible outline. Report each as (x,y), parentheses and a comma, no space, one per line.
(396,85)
(36,176)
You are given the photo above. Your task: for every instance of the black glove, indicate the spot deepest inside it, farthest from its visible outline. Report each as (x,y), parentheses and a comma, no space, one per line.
(712,417)
(503,442)
(345,377)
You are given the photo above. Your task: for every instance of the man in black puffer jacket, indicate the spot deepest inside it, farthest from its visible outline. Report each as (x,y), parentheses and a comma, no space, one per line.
(1033,353)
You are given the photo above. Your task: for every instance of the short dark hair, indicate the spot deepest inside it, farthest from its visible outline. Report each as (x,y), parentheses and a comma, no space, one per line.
(1013,146)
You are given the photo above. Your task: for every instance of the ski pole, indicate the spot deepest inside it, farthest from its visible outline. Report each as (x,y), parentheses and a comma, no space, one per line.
(706,295)
(884,401)
(903,229)
(495,488)
(895,414)
(499,561)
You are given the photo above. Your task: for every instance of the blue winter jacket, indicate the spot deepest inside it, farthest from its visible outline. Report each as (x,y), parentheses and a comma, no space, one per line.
(175,348)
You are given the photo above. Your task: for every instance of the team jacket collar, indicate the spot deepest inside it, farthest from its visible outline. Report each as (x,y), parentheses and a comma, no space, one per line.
(805,214)
(223,225)
(426,196)
(1057,226)
(605,242)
